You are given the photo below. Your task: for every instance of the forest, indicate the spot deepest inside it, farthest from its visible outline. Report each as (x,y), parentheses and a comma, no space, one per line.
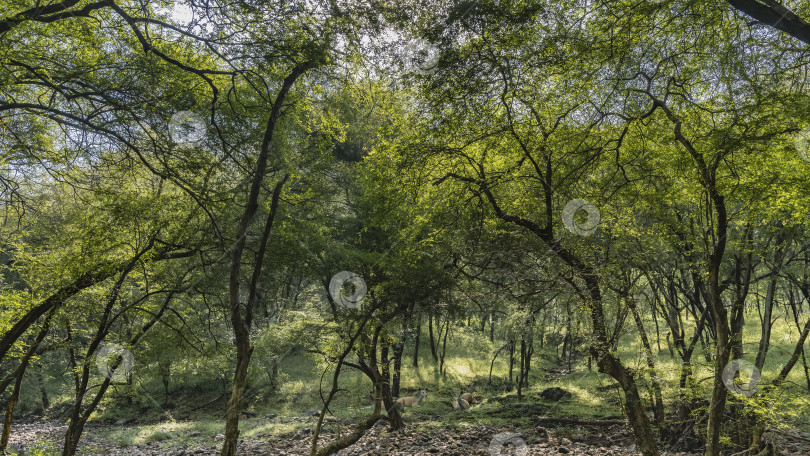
(404,227)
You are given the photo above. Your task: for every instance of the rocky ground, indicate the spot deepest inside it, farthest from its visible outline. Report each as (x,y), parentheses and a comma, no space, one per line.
(460,441)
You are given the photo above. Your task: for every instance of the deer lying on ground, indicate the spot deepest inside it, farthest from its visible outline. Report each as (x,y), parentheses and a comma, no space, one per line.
(468,395)
(412,401)
(460,403)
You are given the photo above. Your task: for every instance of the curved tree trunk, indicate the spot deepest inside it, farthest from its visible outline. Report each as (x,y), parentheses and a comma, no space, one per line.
(19,374)
(590,293)
(611,365)
(241,314)
(335,389)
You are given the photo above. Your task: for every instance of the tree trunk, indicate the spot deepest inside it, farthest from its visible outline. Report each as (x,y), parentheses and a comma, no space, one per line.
(522,367)
(274,373)
(796,311)
(46,403)
(398,349)
(336,388)
(86,280)
(611,365)
(492,326)
(242,314)
(511,362)
(767,324)
(165,377)
(600,349)
(377,398)
(9,413)
(444,345)
(80,415)
(393,413)
(20,373)
(717,406)
(543,331)
(658,410)
(432,339)
(415,361)
(243,351)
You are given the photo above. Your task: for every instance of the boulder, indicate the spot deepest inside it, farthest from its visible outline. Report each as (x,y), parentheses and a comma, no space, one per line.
(555,394)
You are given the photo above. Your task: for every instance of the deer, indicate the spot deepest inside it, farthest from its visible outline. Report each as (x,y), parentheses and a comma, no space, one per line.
(468,395)
(460,403)
(412,401)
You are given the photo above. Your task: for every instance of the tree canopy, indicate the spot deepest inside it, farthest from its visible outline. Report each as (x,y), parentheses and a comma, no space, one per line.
(204,187)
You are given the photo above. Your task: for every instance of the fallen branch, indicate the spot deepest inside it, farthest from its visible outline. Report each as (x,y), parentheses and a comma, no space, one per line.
(350,439)
(207,403)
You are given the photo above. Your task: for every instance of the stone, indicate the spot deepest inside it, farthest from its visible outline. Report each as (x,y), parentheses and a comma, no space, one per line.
(555,394)
(542,434)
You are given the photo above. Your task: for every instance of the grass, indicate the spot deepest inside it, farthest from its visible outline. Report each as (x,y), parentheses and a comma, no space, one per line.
(467,360)
(793,402)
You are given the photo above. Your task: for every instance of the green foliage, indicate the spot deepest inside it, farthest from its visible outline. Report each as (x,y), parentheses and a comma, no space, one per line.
(444,190)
